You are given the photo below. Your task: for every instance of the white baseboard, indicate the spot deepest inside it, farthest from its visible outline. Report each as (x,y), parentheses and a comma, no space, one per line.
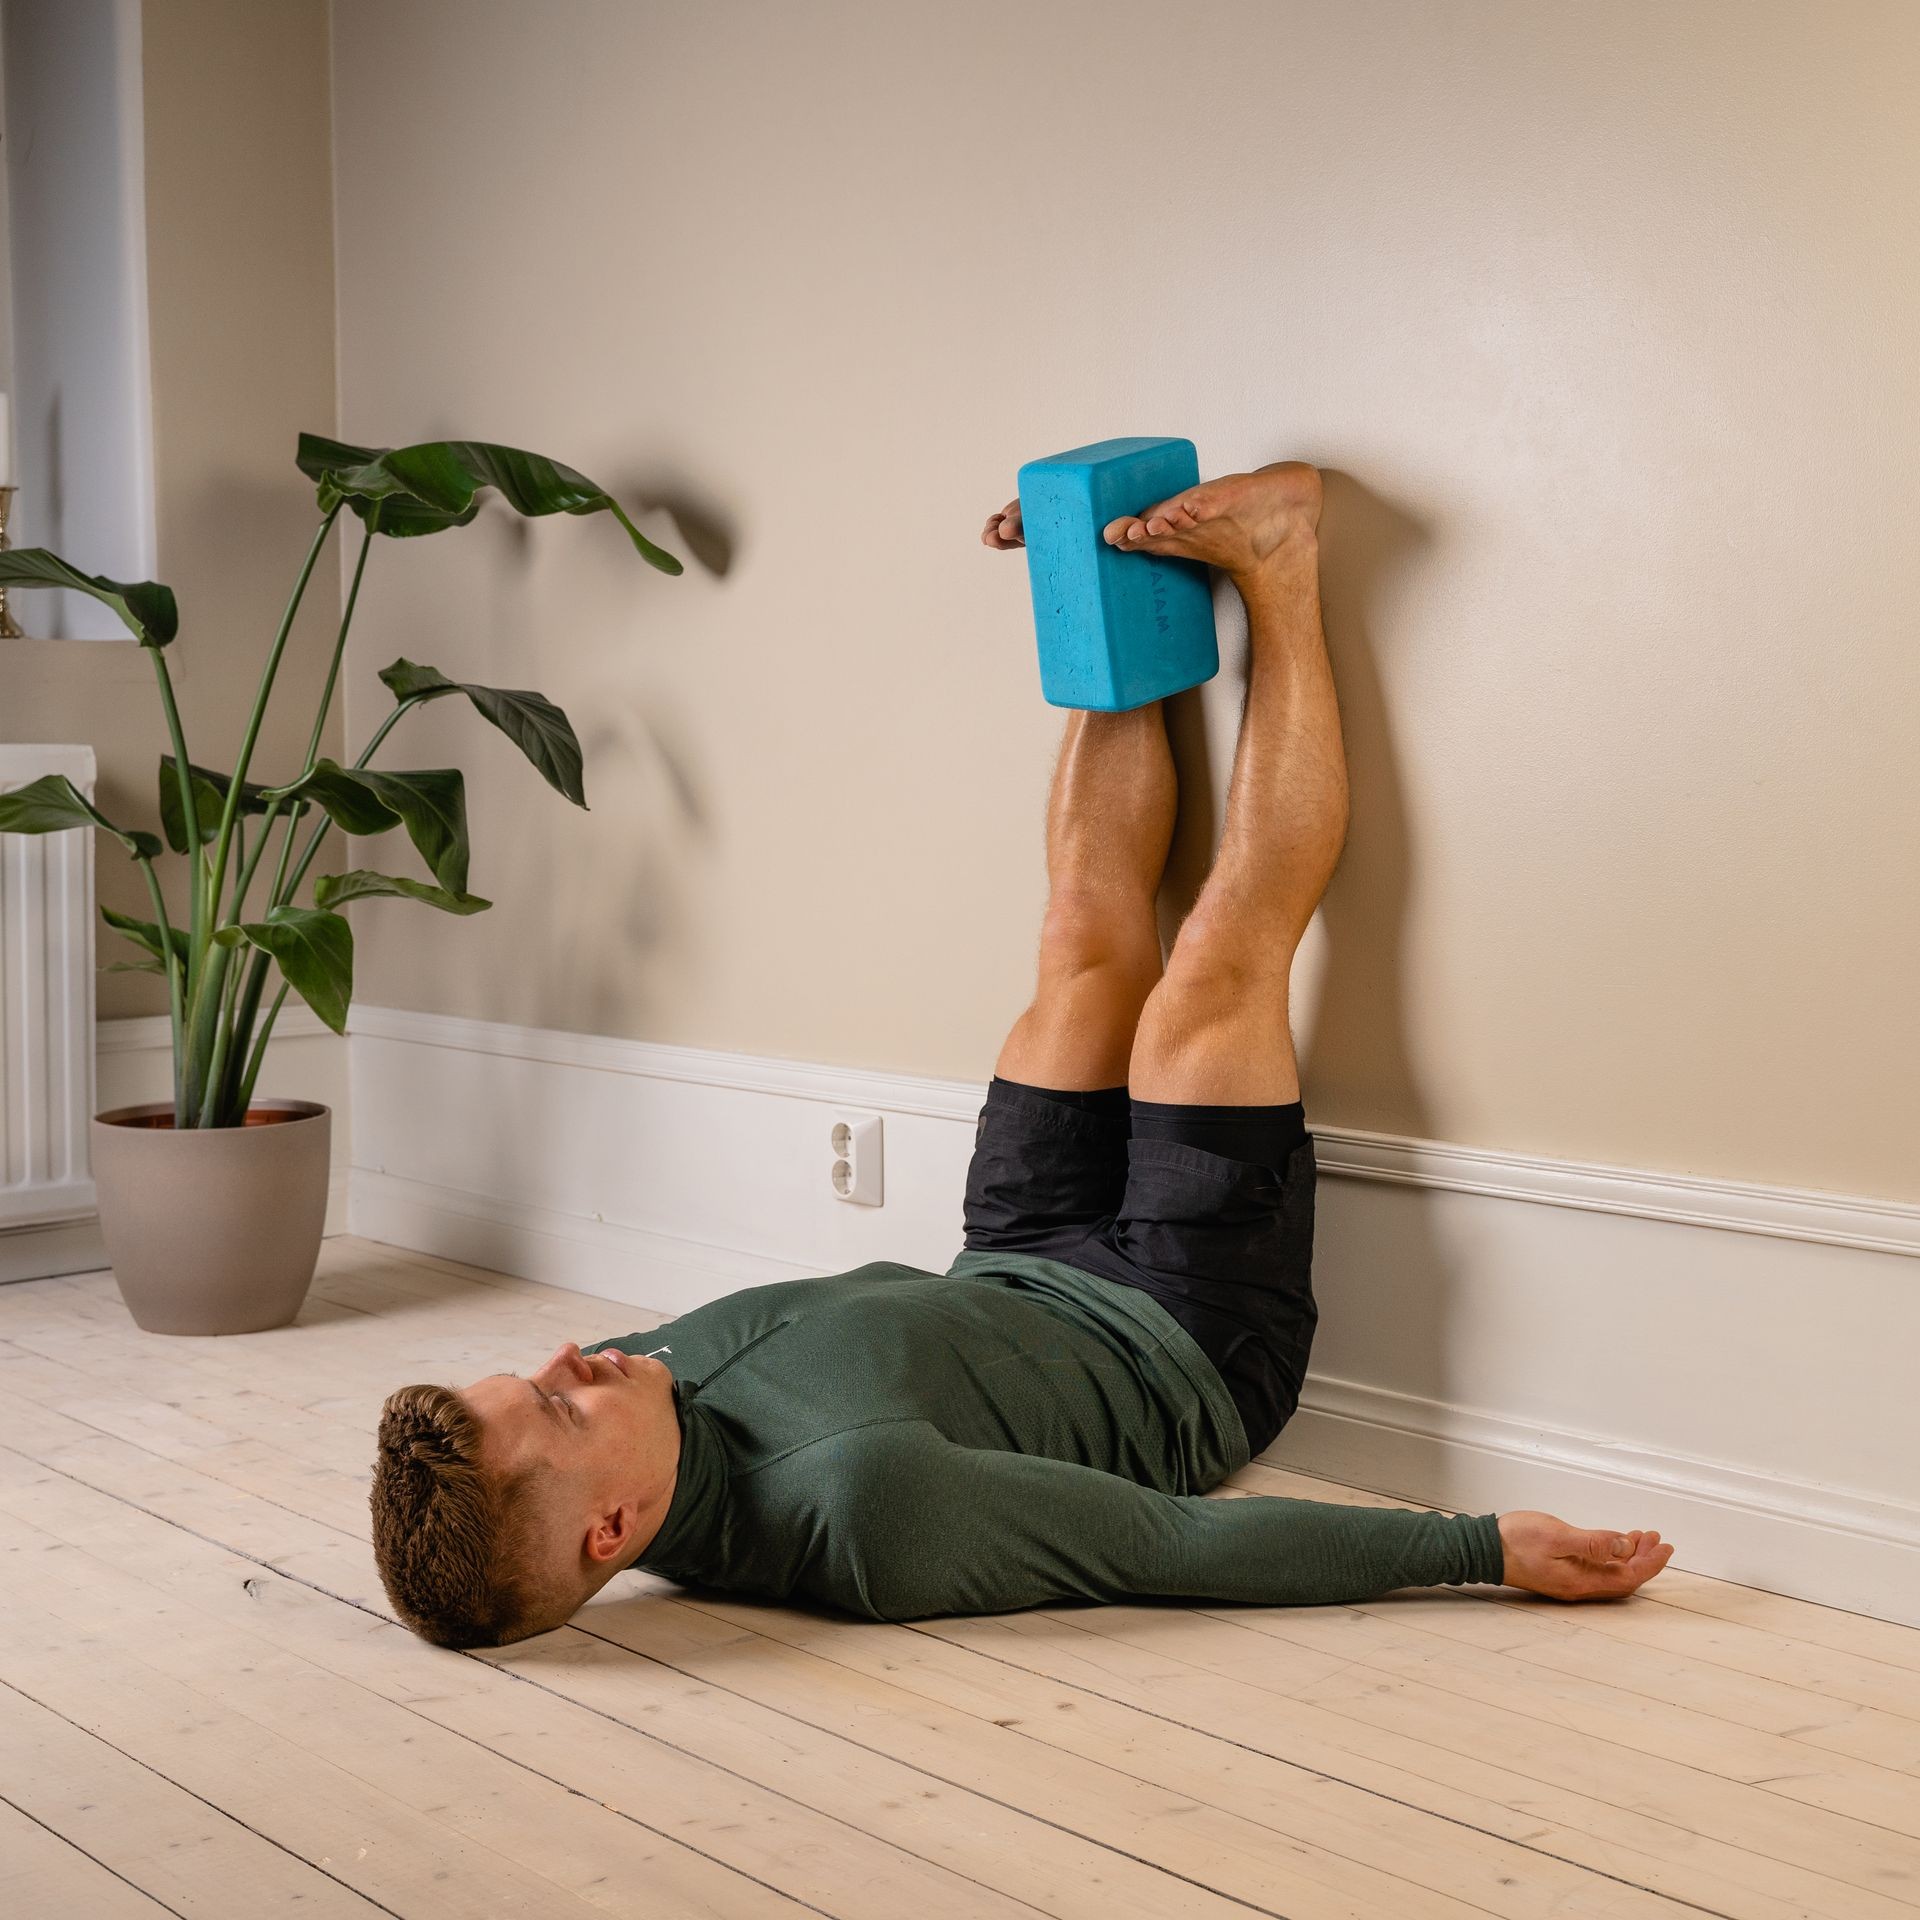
(49,1248)
(1842,1548)
(134,1065)
(652,1272)
(46,1251)
(1729,1363)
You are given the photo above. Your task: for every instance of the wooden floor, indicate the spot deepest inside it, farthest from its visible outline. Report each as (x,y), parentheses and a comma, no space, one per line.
(206,1709)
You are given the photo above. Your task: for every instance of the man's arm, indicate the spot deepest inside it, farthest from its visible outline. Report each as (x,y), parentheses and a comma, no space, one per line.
(913,1525)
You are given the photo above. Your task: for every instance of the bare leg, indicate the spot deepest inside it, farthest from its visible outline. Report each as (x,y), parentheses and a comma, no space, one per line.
(1215,1031)
(1109,824)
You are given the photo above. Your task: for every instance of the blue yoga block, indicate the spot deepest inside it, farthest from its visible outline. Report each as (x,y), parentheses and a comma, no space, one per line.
(1115,629)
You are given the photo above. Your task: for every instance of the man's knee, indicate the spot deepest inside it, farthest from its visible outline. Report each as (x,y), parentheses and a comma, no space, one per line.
(1088,936)
(1215,988)
(1228,954)
(1218,1019)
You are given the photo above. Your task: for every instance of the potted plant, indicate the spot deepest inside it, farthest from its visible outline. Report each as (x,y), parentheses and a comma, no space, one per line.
(212,1206)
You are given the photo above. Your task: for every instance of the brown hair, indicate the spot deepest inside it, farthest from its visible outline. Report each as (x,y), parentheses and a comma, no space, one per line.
(456,1541)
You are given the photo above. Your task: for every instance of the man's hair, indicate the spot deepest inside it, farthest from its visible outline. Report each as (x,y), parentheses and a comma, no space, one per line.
(458,1543)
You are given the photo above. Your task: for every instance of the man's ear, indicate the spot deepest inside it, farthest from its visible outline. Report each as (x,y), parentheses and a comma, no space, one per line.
(610,1534)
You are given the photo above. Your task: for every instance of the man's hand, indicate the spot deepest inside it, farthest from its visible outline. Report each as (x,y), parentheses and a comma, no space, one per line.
(1003,530)
(1545,1555)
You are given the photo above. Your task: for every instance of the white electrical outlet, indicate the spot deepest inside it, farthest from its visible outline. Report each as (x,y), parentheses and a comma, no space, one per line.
(856,1164)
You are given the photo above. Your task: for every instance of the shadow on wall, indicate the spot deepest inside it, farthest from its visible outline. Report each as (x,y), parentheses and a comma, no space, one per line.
(1374,1262)
(1359,1036)
(706,532)
(648,807)
(1196,827)
(628,754)
(1375,1267)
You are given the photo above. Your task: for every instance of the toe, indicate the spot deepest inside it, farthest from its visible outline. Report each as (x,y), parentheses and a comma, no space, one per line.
(1003,529)
(1153,534)
(1168,516)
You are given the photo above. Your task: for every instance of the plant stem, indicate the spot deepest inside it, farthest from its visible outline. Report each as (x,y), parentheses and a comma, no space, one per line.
(246,1007)
(245,881)
(259,1052)
(320,832)
(211,1114)
(257,966)
(208,968)
(172,962)
(339,648)
(386,727)
(238,1080)
(197,916)
(249,1003)
(230,812)
(275,897)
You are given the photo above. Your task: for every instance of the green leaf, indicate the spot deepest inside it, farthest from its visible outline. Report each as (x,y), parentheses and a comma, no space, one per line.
(146,933)
(133,966)
(209,799)
(144,607)
(396,514)
(314,950)
(349,801)
(53,803)
(434,485)
(530,720)
(335,889)
(430,802)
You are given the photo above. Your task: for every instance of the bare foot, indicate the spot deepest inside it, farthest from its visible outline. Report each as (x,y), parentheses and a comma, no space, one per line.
(1003,529)
(1545,1555)
(1237,523)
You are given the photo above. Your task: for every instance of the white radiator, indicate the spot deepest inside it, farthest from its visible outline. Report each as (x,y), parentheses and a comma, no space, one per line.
(46,1006)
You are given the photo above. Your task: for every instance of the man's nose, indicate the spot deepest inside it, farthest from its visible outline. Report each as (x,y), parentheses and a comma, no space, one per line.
(567,1362)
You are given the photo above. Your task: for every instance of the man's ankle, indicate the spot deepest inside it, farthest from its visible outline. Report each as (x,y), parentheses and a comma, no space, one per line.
(1291,564)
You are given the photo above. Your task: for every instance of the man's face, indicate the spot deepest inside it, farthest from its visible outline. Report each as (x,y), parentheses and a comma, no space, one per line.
(603,1425)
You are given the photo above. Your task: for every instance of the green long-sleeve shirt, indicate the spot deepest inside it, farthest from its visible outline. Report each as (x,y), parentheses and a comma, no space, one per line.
(1015,1431)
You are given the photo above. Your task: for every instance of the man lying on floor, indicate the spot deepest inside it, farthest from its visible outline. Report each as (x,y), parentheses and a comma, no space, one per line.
(1128,1324)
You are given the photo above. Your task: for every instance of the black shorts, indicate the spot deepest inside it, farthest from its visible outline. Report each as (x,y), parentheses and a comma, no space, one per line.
(1226,1246)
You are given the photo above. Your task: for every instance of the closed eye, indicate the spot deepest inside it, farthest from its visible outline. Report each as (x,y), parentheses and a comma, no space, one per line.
(552,1403)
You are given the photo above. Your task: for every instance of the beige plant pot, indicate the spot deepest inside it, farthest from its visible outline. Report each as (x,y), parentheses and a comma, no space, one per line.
(216,1229)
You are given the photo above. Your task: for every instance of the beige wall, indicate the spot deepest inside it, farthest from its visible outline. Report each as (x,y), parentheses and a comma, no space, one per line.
(240,285)
(1601,319)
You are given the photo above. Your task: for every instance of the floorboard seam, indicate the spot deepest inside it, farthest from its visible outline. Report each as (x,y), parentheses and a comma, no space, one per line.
(225,1813)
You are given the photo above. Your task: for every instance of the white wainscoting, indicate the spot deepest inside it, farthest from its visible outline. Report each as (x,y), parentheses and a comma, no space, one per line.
(1732,1364)
(134,1064)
